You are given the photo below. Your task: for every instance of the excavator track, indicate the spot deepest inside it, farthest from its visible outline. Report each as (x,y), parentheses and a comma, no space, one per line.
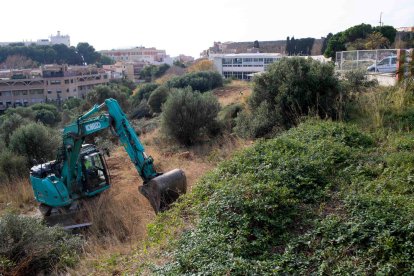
(70,218)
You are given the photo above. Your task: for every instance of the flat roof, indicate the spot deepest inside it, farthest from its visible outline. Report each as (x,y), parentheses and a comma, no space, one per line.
(246,55)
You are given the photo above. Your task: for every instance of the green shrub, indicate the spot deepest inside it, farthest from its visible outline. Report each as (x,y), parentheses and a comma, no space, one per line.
(35,142)
(323,198)
(144,92)
(251,207)
(72,103)
(102,92)
(187,116)
(47,114)
(29,248)
(24,112)
(11,165)
(143,110)
(157,98)
(293,88)
(198,81)
(9,124)
(258,123)
(228,114)
(357,80)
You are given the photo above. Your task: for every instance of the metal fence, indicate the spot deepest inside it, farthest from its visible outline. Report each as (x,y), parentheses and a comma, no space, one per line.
(380,61)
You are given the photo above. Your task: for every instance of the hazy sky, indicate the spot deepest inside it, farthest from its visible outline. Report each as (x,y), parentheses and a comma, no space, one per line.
(188,27)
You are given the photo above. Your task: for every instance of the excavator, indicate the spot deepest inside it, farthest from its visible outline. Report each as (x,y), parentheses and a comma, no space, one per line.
(80,170)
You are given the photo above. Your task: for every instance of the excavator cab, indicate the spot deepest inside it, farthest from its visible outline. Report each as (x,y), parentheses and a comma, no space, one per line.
(95,176)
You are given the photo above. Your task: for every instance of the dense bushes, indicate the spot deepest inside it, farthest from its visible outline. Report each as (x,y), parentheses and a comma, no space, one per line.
(198,81)
(29,248)
(35,142)
(157,98)
(11,165)
(47,114)
(188,116)
(143,92)
(290,89)
(102,92)
(317,199)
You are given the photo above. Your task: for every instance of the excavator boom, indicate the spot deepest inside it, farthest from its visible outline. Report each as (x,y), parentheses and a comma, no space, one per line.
(80,170)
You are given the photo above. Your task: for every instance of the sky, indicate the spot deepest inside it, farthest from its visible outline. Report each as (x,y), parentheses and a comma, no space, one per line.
(191,26)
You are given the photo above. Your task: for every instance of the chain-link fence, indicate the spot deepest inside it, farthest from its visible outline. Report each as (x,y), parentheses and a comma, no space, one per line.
(379,61)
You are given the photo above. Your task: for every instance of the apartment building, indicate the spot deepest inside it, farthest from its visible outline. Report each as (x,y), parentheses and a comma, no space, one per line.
(120,70)
(50,83)
(243,66)
(139,54)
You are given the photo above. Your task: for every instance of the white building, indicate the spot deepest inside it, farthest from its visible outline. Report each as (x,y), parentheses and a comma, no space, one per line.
(54,39)
(139,54)
(60,39)
(243,66)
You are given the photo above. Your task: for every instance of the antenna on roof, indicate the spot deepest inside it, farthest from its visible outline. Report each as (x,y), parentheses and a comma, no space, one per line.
(380,22)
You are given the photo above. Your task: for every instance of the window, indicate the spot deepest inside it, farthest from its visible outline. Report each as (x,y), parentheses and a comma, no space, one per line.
(394,61)
(383,62)
(66,81)
(49,92)
(71,81)
(226,61)
(16,93)
(24,92)
(58,91)
(1,103)
(67,90)
(55,82)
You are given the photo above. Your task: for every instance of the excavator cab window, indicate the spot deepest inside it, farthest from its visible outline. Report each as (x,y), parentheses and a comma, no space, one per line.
(95,172)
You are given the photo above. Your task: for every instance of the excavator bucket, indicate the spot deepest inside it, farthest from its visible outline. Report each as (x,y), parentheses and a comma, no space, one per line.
(163,190)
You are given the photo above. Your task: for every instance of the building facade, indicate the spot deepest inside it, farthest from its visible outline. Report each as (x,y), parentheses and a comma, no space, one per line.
(51,83)
(139,54)
(60,39)
(121,70)
(243,66)
(54,39)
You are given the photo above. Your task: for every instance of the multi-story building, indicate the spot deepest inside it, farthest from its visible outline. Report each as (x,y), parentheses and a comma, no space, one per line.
(121,70)
(60,39)
(243,66)
(139,54)
(51,83)
(54,39)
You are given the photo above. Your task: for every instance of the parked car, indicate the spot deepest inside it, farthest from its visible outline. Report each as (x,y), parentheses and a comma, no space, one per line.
(385,65)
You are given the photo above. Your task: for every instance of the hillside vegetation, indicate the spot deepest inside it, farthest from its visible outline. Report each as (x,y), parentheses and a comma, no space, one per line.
(322,198)
(325,189)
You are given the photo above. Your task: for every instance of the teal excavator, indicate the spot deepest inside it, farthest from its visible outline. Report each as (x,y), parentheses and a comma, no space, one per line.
(80,170)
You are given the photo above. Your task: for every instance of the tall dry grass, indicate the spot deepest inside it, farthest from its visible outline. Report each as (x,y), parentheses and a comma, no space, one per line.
(16,195)
(377,102)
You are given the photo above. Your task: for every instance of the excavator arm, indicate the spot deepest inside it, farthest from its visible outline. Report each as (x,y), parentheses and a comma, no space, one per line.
(161,189)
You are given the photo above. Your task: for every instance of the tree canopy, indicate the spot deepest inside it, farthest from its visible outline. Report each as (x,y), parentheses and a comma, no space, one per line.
(360,37)
(46,54)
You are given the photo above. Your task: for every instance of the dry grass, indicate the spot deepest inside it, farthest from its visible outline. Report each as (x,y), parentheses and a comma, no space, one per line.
(120,215)
(17,196)
(235,92)
(375,103)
